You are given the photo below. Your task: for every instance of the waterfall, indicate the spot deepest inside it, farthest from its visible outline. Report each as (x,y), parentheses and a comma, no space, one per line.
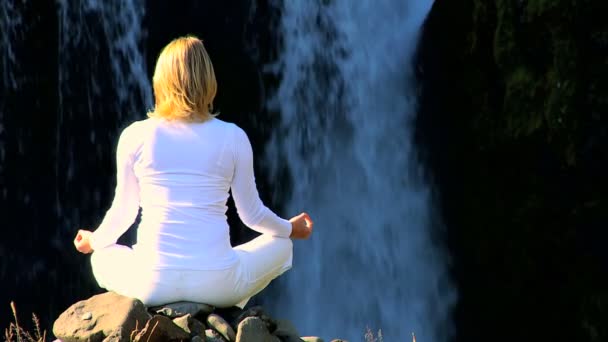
(102,78)
(10,28)
(10,24)
(347,100)
(110,27)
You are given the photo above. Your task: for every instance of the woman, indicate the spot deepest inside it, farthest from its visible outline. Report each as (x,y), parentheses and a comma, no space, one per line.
(178,166)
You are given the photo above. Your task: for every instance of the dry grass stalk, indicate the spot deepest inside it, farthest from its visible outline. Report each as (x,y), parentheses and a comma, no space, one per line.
(16,333)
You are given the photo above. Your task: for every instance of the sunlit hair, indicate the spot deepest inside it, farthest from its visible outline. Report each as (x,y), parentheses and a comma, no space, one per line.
(184,82)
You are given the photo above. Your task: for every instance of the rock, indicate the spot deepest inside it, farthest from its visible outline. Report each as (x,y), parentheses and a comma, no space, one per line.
(220,325)
(213,336)
(161,329)
(178,309)
(311,339)
(286,331)
(197,339)
(110,315)
(256,311)
(253,329)
(190,325)
(230,314)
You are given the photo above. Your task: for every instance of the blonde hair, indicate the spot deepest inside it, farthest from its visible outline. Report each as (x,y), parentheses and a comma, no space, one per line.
(184,82)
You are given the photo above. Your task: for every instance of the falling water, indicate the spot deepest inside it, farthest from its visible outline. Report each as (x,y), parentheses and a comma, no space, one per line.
(101,65)
(59,174)
(10,24)
(118,34)
(347,101)
(10,29)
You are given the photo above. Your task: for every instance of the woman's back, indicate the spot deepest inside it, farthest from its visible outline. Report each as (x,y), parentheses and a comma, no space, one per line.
(184,171)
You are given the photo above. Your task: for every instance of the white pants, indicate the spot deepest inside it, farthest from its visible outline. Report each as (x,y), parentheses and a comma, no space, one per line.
(261,260)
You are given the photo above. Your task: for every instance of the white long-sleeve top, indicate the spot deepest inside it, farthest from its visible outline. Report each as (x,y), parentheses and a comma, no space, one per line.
(179,174)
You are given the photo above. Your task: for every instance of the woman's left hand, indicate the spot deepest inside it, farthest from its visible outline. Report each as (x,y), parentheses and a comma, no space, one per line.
(82,242)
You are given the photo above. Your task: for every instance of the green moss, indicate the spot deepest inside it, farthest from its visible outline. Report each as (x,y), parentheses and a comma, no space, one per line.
(521,102)
(506,52)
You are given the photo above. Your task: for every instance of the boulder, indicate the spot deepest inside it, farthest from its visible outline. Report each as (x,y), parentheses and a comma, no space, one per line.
(179,309)
(99,317)
(190,325)
(286,331)
(253,329)
(256,311)
(213,336)
(161,329)
(229,314)
(220,325)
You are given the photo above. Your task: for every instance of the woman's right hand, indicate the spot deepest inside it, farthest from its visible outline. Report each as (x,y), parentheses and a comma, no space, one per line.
(301,226)
(82,242)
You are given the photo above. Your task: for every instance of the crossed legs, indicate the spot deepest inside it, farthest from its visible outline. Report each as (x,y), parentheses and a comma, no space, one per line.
(118,268)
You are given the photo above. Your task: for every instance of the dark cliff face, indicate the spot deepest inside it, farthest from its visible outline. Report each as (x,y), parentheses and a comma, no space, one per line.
(514,128)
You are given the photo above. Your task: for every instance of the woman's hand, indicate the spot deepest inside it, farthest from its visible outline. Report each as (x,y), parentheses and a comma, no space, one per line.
(301,226)
(82,242)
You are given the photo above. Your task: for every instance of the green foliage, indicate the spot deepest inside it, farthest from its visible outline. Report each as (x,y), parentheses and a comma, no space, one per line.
(520,103)
(537,57)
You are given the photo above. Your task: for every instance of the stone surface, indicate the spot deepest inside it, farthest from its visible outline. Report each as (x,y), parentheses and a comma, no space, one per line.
(311,339)
(161,329)
(230,314)
(111,315)
(286,331)
(213,336)
(253,329)
(179,309)
(256,311)
(220,325)
(114,318)
(190,325)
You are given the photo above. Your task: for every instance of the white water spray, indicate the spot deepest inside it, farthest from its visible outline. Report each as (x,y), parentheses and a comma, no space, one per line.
(120,32)
(347,101)
(11,24)
(99,43)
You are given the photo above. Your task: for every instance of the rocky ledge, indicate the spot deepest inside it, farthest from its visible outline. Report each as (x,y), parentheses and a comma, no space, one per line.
(111,317)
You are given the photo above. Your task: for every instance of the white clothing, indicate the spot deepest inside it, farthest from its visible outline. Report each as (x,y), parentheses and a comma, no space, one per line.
(260,261)
(179,174)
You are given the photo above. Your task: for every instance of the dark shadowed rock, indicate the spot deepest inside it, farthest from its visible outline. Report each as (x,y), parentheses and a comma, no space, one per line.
(256,311)
(230,314)
(99,317)
(253,329)
(286,331)
(161,329)
(220,325)
(179,309)
(190,325)
(213,336)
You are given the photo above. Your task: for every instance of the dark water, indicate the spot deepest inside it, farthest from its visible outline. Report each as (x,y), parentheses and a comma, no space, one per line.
(326,102)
